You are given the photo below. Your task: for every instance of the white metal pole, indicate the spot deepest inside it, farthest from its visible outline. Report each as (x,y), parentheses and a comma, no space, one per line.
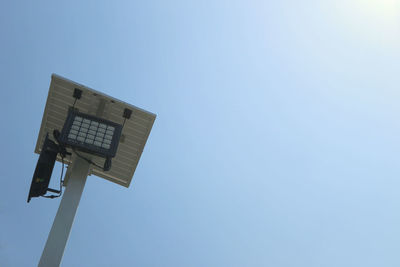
(58,236)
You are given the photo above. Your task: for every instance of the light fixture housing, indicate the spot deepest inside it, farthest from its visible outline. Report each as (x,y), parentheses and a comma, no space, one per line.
(44,168)
(91,134)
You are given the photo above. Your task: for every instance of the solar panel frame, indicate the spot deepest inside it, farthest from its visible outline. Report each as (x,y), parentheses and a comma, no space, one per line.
(134,134)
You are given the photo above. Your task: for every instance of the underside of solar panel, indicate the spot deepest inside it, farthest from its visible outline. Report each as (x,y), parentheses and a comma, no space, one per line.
(103,115)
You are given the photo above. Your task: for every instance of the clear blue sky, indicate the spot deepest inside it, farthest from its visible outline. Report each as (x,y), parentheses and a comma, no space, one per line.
(276,142)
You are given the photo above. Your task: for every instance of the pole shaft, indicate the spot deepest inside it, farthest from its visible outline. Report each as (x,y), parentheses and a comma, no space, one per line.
(58,236)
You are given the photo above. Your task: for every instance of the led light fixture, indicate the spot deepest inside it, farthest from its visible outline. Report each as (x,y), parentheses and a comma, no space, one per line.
(91,134)
(44,169)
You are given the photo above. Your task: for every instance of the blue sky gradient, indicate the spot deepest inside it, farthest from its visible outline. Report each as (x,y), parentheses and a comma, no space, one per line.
(276,141)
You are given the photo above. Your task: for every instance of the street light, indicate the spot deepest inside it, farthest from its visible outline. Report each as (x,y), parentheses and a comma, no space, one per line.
(84,129)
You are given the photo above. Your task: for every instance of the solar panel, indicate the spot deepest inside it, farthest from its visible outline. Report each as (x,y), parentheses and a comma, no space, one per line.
(134,135)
